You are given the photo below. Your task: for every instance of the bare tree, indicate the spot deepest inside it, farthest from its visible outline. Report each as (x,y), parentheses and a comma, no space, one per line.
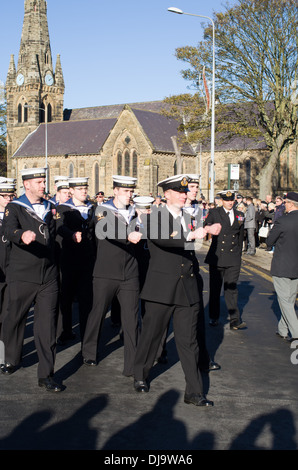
(256,67)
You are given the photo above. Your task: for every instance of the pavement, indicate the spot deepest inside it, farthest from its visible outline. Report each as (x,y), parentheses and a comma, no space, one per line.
(254,392)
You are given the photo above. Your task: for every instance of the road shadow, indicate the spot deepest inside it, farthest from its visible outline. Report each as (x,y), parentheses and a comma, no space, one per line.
(75,433)
(280,423)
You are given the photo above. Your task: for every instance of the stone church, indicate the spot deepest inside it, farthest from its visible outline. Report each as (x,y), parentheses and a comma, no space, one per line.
(130,139)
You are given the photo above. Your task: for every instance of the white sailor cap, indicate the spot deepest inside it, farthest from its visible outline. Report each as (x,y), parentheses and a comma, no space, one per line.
(227,195)
(194,178)
(62,185)
(32,173)
(60,178)
(11,180)
(74,182)
(7,187)
(143,202)
(120,181)
(177,183)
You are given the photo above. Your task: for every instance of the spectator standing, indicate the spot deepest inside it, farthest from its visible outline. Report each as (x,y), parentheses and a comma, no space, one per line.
(250,226)
(284,267)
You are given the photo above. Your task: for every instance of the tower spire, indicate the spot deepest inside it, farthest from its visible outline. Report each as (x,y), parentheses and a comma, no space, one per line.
(35,48)
(34,95)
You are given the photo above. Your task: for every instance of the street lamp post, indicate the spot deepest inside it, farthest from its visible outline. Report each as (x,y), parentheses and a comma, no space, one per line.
(180,12)
(46,142)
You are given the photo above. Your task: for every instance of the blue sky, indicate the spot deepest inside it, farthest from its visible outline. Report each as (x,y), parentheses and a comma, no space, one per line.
(113,51)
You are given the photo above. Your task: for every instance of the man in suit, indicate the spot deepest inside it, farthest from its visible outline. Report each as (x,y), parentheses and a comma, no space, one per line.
(32,276)
(284,268)
(224,259)
(250,226)
(115,273)
(171,289)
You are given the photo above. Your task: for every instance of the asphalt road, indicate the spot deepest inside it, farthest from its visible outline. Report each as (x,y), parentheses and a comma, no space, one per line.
(254,393)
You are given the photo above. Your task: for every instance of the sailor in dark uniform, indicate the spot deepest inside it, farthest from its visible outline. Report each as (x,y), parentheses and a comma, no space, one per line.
(224,259)
(31,277)
(115,272)
(75,226)
(171,289)
(62,190)
(7,192)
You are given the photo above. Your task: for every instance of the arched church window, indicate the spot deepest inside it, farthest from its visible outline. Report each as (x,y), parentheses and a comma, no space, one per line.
(49,110)
(135,164)
(71,170)
(126,163)
(119,163)
(42,113)
(247,173)
(19,113)
(26,112)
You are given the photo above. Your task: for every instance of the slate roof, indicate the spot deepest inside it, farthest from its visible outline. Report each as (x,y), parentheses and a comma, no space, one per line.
(110,111)
(76,138)
(85,137)
(85,131)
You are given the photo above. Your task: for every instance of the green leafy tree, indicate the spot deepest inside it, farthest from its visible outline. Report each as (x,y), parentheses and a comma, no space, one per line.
(256,45)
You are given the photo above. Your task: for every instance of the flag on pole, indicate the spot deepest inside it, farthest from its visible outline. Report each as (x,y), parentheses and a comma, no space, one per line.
(206,91)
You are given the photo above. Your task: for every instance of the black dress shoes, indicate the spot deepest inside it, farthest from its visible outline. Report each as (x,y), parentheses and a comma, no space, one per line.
(141,386)
(49,384)
(213,322)
(210,367)
(8,369)
(237,325)
(89,362)
(197,400)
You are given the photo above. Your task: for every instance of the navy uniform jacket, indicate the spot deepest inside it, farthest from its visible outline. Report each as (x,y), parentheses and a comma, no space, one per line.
(116,256)
(4,253)
(226,248)
(34,262)
(172,276)
(284,237)
(69,220)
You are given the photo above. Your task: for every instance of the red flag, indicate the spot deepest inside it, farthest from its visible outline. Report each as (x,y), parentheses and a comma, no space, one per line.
(206,91)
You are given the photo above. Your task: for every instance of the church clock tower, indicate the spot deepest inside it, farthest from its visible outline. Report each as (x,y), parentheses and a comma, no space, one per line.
(34,91)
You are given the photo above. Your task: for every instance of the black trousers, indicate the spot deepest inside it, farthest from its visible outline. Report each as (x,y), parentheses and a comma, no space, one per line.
(155,322)
(204,358)
(76,282)
(127,293)
(228,277)
(21,295)
(3,302)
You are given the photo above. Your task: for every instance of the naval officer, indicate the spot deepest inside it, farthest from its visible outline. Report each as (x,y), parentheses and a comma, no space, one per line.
(224,259)
(171,289)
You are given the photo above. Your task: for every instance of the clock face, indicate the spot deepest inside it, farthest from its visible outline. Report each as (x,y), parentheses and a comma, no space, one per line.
(49,79)
(20,79)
